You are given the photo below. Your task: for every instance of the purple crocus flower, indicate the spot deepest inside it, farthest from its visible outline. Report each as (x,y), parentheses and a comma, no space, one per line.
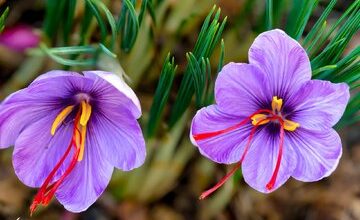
(270,117)
(69,131)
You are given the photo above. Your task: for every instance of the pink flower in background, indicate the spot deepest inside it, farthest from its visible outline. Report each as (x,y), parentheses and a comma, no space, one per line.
(19,38)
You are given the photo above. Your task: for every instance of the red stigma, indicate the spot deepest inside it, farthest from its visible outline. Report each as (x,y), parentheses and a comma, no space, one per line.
(47,190)
(206,135)
(272,181)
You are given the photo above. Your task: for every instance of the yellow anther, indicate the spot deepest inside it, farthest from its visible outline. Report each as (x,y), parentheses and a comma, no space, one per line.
(85,113)
(82,144)
(60,118)
(77,138)
(257,118)
(290,125)
(276,104)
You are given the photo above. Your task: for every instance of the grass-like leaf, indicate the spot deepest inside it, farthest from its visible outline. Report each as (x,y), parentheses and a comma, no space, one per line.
(54,11)
(2,19)
(161,95)
(88,16)
(208,38)
(269,14)
(65,61)
(318,28)
(95,11)
(128,25)
(299,16)
(349,22)
(69,19)
(325,46)
(110,19)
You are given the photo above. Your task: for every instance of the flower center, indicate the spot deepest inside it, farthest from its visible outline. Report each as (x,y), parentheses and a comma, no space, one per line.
(260,117)
(50,185)
(276,105)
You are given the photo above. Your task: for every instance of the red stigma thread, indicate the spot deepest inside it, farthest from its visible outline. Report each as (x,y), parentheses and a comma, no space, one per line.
(207,135)
(225,178)
(47,190)
(272,181)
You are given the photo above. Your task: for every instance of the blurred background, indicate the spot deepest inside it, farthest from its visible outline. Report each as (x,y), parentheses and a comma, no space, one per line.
(42,35)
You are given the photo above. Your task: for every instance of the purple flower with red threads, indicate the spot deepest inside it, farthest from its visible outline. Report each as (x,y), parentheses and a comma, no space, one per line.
(69,131)
(270,117)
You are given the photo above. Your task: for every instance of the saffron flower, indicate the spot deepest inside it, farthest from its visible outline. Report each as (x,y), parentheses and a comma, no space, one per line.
(270,117)
(69,131)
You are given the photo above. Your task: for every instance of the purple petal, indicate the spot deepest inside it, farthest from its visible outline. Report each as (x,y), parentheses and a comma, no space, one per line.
(318,153)
(37,152)
(49,93)
(87,181)
(225,148)
(55,73)
(260,162)
(125,95)
(240,89)
(319,104)
(283,60)
(119,137)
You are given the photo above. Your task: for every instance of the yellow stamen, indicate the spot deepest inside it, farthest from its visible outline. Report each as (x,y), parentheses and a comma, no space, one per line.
(258,117)
(290,125)
(78,138)
(85,113)
(86,110)
(60,118)
(82,144)
(276,104)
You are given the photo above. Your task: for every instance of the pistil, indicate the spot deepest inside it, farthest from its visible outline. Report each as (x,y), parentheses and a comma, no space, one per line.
(47,190)
(272,181)
(207,135)
(260,117)
(225,178)
(49,187)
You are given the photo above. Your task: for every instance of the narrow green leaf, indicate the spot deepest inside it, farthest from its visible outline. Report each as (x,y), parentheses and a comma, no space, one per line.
(144,5)
(303,19)
(128,25)
(318,28)
(299,17)
(95,11)
(64,61)
(110,19)
(161,95)
(314,41)
(269,14)
(322,69)
(2,19)
(338,74)
(278,13)
(72,50)
(352,16)
(69,18)
(208,38)
(107,51)
(222,54)
(54,10)
(317,61)
(84,33)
